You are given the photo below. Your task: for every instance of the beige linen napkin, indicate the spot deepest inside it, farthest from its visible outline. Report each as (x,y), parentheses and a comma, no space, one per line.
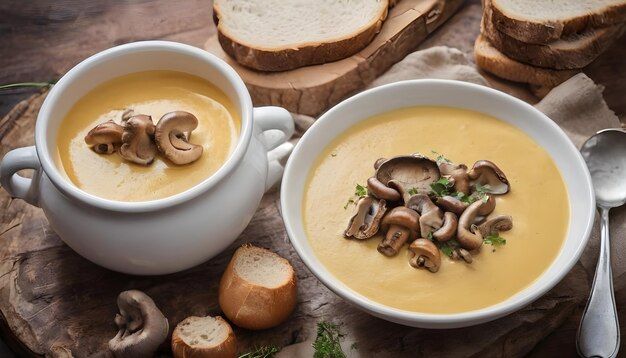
(576,105)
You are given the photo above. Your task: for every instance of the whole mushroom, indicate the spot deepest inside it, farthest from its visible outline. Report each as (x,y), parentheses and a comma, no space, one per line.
(403,224)
(172,137)
(142,327)
(486,173)
(366,219)
(105,138)
(424,253)
(408,173)
(458,176)
(138,146)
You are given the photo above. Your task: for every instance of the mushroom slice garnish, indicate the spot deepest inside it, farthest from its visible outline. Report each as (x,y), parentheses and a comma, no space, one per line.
(137,145)
(424,253)
(461,254)
(450,203)
(489,207)
(448,229)
(408,173)
(486,173)
(496,225)
(172,137)
(105,138)
(381,191)
(457,173)
(142,327)
(468,239)
(403,224)
(367,217)
(431,218)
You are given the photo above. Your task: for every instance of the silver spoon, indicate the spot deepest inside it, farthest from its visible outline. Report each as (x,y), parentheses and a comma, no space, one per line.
(605,154)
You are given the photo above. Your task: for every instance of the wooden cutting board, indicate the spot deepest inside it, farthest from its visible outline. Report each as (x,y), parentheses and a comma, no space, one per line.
(311,90)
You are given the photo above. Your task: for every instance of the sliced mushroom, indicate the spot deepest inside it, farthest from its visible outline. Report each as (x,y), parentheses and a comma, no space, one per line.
(142,327)
(381,191)
(408,173)
(458,175)
(431,218)
(461,254)
(495,225)
(486,173)
(424,253)
(172,140)
(367,217)
(105,138)
(403,225)
(450,203)
(127,114)
(137,145)
(489,207)
(448,228)
(467,238)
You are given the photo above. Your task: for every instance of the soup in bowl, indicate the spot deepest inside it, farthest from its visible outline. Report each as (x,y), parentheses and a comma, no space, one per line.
(356,157)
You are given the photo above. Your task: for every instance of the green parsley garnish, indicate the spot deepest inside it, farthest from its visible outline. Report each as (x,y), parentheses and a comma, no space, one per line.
(494,240)
(441,187)
(412,191)
(448,247)
(328,341)
(430,236)
(440,158)
(359,192)
(262,352)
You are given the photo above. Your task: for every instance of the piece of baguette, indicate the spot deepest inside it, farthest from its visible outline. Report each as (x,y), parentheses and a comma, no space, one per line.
(493,61)
(258,289)
(542,22)
(204,337)
(279,35)
(576,51)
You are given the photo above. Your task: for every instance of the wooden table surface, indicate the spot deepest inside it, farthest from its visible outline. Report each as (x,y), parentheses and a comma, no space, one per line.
(40,40)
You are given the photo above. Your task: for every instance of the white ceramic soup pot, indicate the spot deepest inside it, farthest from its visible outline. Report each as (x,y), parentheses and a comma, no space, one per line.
(159,236)
(450,94)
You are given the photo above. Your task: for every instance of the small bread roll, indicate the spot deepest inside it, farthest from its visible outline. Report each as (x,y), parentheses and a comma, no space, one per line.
(204,337)
(258,289)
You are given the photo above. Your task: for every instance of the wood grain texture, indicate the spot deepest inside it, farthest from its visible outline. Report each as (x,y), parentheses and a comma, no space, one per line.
(311,90)
(51,298)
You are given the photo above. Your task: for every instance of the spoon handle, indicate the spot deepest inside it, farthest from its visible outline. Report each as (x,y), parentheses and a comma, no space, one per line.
(598,334)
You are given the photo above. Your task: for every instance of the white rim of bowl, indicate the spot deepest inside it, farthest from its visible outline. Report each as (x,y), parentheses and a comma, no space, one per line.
(69,189)
(473,317)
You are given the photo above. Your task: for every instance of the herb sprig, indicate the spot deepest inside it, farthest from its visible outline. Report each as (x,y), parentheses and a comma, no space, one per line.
(494,240)
(359,192)
(262,352)
(328,341)
(441,187)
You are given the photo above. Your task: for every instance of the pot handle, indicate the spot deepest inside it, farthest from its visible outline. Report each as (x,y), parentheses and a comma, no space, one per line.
(277,127)
(16,185)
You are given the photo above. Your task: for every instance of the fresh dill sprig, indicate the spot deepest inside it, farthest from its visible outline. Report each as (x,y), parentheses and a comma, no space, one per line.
(328,341)
(262,352)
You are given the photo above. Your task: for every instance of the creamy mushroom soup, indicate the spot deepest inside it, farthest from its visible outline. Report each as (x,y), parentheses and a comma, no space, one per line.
(537,201)
(152,93)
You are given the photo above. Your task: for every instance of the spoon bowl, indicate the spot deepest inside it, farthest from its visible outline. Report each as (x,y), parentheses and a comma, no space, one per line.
(605,155)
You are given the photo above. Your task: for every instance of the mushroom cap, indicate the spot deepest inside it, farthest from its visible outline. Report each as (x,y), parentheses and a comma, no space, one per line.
(427,250)
(366,219)
(408,172)
(468,239)
(404,217)
(105,137)
(381,191)
(431,218)
(450,203)
(448,229)
(496,225)
(137,145)
(485,172)
(172,140)
(142,326)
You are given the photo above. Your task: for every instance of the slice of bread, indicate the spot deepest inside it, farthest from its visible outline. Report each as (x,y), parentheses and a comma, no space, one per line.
(541,22)
(204,337)
(278,35)
(576,51)
(493,61)
(258,288)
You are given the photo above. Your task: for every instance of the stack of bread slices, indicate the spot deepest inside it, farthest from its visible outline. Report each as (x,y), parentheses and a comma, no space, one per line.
(543,43)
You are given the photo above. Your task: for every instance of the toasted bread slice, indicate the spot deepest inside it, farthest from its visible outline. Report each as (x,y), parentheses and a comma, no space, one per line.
(204,337)
(493,61)
(258,289)
(542,22)
(278,35)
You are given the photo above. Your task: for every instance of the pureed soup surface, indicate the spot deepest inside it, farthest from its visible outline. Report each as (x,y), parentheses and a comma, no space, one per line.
(537,201)
(153,93)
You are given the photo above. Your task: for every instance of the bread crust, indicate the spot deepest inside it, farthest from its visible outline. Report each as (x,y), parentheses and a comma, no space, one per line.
(545,32)
(282,59)
(557,55)
(491,60)
(226,349)
(252,306)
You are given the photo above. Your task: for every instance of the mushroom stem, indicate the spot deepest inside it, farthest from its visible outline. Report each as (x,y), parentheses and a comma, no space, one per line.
(448,229)
(393,241)
(467,238)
